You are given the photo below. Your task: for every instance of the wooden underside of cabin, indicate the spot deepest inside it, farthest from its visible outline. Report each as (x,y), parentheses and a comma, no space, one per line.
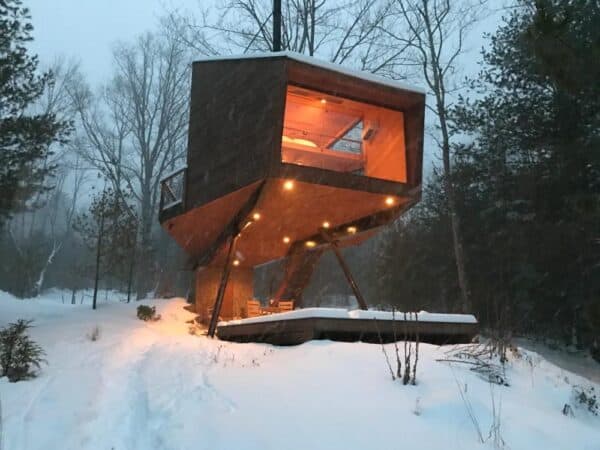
(295,214)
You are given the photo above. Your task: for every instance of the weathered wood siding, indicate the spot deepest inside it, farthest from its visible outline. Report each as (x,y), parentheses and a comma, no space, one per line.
(239,289)
(236,120)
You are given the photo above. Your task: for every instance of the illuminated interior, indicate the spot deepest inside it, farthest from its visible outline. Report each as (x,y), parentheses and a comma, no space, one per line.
(339,134)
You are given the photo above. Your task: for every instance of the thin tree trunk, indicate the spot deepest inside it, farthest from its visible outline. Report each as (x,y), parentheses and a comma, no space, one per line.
(439,89)
(40,281)
(459,256)
(131,270)
(98,248)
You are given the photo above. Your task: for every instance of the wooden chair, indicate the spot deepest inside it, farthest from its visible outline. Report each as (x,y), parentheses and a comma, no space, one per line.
(253,308)
(286,305)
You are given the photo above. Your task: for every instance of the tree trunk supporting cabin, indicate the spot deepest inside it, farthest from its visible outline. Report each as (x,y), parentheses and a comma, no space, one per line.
(299,267)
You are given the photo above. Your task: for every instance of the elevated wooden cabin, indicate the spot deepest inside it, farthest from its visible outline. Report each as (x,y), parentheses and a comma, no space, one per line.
(287,156)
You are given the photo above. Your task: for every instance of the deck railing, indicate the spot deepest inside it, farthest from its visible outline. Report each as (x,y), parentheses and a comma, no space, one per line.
(172,189)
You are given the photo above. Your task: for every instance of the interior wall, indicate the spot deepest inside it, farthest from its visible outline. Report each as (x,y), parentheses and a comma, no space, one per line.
(385,151)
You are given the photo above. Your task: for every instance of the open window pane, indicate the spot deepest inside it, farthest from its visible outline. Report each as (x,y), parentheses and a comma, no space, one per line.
(343,135)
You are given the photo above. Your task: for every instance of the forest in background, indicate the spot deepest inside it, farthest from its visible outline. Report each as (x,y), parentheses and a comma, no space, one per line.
(509,224)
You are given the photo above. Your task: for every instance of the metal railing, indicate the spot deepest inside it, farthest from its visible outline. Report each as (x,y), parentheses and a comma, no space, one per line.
(172,189)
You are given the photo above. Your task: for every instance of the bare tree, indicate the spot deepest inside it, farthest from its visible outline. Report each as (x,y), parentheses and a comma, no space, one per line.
(38,234)
(346,32)
(135,128)
(433,34)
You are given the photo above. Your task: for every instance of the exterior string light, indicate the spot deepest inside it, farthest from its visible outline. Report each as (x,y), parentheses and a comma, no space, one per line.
(351,230)
(286,239)
(288,185)
(256,216)
(311,244)
(389,201)
(326,224)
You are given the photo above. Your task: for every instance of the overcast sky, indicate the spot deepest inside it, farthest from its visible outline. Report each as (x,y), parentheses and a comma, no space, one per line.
(86,29)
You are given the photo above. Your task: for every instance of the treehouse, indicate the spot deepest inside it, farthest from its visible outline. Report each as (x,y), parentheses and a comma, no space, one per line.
(287,157)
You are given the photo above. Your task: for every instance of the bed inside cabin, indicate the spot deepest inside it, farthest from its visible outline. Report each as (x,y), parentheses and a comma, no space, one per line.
(339,134)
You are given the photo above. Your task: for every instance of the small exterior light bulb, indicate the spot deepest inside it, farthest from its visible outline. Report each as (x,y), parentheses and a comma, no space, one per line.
(326,224)
(286,239)
(323,100)
(351,230)
(288,185)
(236,262)
(311,244)
(389,201)
(256,216)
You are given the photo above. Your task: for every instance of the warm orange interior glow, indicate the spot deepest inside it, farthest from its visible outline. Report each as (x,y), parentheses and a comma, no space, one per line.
(343,135)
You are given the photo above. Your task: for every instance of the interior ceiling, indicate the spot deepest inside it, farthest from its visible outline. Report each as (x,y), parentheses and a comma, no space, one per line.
(296,213)
(324,116)
(323,124)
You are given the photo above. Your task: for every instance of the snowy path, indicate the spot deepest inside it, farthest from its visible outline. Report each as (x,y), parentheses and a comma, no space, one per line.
(154,386)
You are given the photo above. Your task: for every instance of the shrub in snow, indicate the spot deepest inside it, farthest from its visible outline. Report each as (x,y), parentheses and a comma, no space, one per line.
(567,410)
(94,335)
(417,411)
(194,329)
(586,398)
(19,354)
(411,358)
(147,313)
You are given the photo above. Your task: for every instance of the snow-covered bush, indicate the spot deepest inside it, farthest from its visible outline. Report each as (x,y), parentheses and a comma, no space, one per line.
(587,398)
(94,334)
(147,313)
(19,354)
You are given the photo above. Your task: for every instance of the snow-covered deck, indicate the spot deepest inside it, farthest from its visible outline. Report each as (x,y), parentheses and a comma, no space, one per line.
(340,313)
(301,325)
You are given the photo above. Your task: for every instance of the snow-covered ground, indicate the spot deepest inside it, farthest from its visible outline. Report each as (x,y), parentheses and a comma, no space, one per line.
(155,386)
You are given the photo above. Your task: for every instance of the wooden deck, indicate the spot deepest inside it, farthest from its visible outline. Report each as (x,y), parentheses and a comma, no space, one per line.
(290,330)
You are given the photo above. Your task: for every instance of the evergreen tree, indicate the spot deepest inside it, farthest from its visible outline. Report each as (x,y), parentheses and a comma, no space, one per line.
(528,185)
(112,215)
(20,356)
(25,137)
(531,177)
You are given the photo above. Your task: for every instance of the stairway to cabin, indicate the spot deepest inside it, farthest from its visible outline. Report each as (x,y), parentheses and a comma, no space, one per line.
(299,267)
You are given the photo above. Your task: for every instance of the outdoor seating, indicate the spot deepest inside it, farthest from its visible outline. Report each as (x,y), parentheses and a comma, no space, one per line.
(286,305)
(253,308)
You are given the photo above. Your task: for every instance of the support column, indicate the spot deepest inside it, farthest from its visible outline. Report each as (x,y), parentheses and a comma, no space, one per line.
(361,300)
(212,327)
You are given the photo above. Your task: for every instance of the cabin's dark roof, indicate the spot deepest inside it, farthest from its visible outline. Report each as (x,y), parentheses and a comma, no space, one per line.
(311,60)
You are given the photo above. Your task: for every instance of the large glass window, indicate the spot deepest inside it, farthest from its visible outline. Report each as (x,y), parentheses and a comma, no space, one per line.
(343,135)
